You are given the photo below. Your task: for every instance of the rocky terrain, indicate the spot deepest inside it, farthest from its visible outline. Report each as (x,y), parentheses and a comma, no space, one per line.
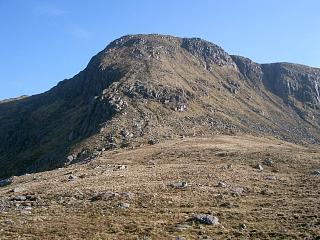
(222,187)
(162,137)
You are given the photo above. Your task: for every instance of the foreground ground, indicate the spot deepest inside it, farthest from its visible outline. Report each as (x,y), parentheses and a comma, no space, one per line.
(154,191)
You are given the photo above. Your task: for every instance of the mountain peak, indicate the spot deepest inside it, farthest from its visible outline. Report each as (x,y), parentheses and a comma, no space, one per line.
(152,45)
(144,89)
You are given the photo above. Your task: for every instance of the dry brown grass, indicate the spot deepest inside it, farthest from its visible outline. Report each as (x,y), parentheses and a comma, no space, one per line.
(64,210)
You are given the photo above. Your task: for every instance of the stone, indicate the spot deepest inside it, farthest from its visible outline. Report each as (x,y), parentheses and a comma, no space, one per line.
(222,184)
(316,172)
(72,177)
(259,167)
(181,238)
(271,178)
(152,141)
(17,190)
(181,108)
(242,226)
(70,158)
(179,184)
(8,222)
(120,167)
(146,238)
(19,198)
(268,162)
(25,212)
(206,219)
(32,198)
(123,205)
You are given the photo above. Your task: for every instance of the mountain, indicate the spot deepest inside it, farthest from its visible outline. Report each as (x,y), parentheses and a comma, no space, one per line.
(144,89)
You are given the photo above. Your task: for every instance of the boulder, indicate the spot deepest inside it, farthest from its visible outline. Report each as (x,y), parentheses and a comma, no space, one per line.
(205,219)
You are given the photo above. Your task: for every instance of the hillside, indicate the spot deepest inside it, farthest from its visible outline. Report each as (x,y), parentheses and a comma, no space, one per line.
(245,187)
(144,89)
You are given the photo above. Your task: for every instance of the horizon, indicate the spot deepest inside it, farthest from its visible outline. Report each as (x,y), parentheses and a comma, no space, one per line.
(47,42)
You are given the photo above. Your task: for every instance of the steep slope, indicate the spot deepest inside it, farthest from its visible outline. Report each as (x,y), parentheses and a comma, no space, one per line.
(147,88)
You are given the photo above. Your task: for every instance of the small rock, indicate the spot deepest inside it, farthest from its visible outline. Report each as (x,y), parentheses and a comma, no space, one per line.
(242,226)
(222,184)
(17,190)
(146,238)
(70,158)
(271,178)
(32,198)
(206,219)
(8,221)
(259,167)
(72,177)
(19,198)
(316,172)
(268,162)
(120,167)
(152,141)
(123,205)
(181,238)
(179,184)
(25,212)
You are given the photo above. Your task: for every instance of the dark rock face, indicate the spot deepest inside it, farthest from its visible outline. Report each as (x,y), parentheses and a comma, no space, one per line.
(5,182)
(249,69)
(143,87)
(210,54)
(297,81)
(37,130)
(284,79)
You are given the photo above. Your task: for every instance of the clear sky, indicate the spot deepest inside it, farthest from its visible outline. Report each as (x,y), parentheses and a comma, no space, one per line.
(43,42)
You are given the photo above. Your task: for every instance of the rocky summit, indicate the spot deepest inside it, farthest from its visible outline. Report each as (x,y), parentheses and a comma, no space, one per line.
(161,137)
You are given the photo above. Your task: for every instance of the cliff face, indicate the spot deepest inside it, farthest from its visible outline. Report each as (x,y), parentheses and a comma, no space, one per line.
(147,88)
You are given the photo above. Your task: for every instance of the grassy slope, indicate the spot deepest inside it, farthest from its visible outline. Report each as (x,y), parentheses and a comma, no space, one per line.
(64,209)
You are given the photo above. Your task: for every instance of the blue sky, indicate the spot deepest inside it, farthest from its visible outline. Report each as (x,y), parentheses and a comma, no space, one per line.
(43,42)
